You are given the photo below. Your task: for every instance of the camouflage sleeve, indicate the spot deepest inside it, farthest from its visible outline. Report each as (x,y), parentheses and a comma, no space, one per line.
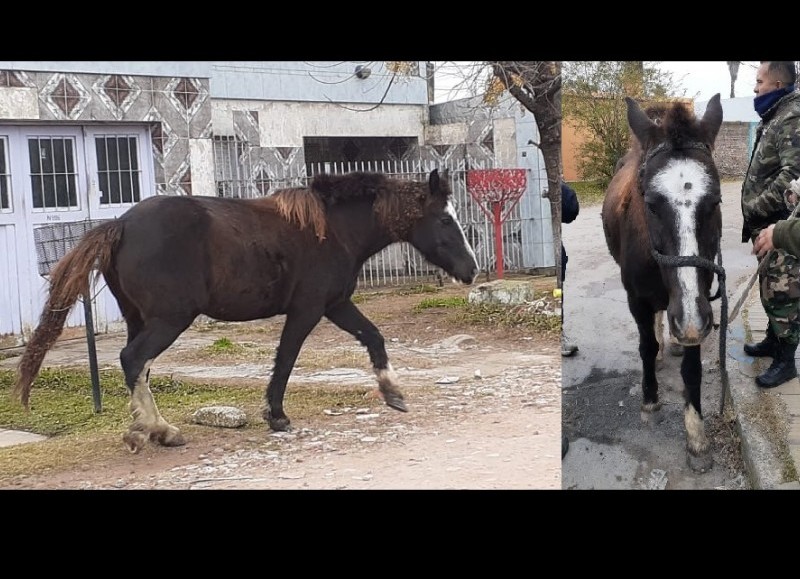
(787,141)
(786,236)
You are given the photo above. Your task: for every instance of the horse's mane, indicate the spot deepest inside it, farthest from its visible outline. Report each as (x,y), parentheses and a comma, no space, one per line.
(302,206)
(307,206)
(392,197)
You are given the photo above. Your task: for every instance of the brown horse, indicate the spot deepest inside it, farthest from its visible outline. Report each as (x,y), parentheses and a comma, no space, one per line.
(662,224)
(297,252)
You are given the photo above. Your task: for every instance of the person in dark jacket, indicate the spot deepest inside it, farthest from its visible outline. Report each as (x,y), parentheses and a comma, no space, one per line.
(774,164)
(570,207)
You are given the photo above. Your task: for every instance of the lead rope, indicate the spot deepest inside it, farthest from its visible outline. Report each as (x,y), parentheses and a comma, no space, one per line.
(696,261)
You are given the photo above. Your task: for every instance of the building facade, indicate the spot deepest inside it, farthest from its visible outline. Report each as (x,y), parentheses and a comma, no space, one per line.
(81,142)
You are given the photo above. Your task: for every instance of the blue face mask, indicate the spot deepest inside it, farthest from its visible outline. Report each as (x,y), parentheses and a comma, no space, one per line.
(764,102)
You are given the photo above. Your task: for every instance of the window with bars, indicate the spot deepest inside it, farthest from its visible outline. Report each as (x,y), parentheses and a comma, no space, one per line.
(118,171)
(53,174)
(232,168)
(5,178)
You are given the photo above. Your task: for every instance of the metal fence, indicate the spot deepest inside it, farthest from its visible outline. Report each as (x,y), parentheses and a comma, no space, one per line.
(400,263)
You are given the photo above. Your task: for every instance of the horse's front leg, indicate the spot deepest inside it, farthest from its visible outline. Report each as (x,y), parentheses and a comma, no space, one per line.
(648,352)
(697,444)
(296,329)
(348,317)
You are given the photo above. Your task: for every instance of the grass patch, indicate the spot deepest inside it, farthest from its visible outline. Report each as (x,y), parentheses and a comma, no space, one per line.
(223,346)
(62,409)
(441,302)
(424,288)
(521,316)
(589,192)
(536,315)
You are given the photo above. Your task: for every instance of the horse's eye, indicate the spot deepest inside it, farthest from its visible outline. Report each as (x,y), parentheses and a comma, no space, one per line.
(447,220)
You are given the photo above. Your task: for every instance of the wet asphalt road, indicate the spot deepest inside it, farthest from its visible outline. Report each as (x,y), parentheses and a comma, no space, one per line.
(610,448)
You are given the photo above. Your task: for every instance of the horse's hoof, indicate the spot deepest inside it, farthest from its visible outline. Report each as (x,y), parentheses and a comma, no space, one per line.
(279,424)
(395,401)
(650,414)
(700,463)
(171,437)
(134,440)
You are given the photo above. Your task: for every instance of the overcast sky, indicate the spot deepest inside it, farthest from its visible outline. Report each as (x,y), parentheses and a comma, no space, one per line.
(703,79)
(700,79)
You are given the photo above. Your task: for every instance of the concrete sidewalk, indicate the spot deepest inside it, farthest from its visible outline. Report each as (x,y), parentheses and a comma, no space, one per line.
(768,419)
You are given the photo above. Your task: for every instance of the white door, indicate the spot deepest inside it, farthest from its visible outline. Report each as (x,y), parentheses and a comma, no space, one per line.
(11,318)
(120,175)
(61,181)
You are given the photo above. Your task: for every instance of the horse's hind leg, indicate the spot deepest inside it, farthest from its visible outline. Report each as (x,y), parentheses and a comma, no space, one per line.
(153,337)
(348,317)
(697,444)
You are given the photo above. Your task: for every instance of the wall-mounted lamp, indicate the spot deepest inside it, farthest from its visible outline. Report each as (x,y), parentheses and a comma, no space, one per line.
(363,72)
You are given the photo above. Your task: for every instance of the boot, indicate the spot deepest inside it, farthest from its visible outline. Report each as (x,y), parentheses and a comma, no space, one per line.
(568,348)
(782,369)
(766,347)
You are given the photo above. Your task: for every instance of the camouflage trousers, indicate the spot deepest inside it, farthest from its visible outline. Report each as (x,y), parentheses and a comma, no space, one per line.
(780,295)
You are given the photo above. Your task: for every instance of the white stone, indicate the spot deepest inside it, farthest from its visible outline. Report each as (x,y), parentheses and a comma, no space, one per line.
(222,416)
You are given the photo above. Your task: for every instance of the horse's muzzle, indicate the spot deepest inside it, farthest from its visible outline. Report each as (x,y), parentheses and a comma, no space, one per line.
(691,334)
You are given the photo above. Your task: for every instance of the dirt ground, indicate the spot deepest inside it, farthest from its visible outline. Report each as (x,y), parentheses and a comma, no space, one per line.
(484,412)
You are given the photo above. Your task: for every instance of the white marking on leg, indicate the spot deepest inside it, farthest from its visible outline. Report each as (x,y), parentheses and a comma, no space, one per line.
(659,328)
(684,183)
(143,406)
(695,431)
(387,378)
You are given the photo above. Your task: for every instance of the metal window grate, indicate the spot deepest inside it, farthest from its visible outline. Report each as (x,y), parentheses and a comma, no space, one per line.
(118,172)
(53,173)
(54,241)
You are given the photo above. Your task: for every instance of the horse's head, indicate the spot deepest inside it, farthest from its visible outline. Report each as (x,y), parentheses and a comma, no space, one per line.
(681,189)
(437,233)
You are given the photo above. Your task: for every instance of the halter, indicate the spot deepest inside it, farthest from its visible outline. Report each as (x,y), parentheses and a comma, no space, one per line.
(667,146)
(697,261)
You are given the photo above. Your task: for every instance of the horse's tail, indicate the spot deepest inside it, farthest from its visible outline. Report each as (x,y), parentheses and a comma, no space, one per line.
(68,280)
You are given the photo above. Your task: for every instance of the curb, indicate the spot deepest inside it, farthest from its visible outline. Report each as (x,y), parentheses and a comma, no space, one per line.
(764,455)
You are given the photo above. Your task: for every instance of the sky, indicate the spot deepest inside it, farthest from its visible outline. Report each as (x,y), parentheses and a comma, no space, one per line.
(700,79)
(703,79)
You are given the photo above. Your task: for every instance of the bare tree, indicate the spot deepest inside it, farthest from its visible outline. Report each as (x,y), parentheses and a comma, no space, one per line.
(733,68)
(537,87)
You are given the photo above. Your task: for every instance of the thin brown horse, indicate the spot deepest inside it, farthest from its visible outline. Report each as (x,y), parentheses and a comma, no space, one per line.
(662,223)
(297,252)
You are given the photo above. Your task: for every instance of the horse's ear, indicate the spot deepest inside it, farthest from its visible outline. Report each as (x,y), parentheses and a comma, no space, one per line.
(433,181)
(638,121)
(712,119)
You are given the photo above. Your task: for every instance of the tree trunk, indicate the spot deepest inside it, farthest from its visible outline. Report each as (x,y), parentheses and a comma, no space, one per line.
(733,68)
(540,93)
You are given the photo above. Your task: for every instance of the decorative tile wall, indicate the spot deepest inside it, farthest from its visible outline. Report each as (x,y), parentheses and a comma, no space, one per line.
(177,108)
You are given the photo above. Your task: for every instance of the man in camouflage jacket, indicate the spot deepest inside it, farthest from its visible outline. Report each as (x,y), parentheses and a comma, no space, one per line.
(774,164)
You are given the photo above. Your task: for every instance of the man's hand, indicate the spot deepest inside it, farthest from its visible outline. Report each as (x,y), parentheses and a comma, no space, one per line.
(763,242)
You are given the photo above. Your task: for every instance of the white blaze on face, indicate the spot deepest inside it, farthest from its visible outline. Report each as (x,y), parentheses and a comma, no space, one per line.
(451,211)
(683,183)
